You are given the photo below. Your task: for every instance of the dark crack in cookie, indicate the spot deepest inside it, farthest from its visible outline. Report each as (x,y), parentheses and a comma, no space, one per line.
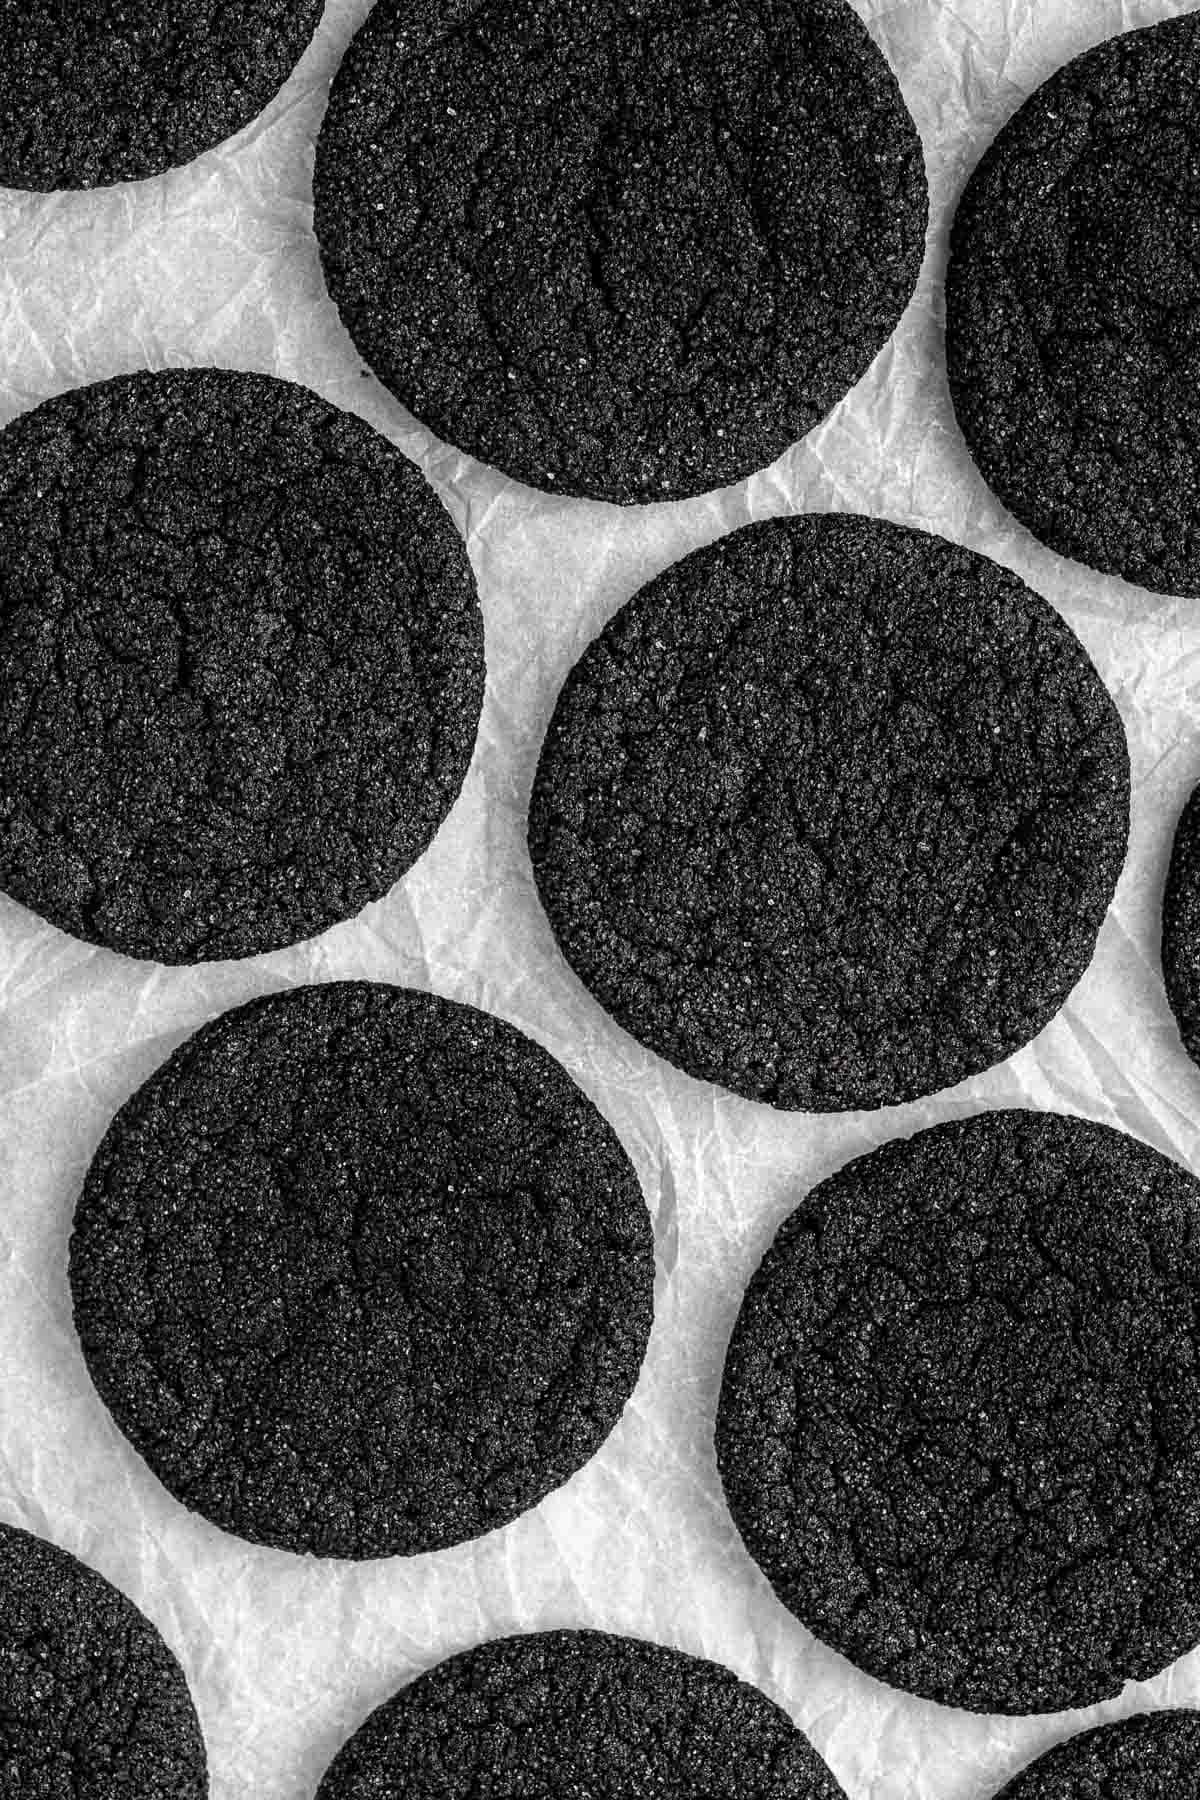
(1181,927)
(361,1272)
(959,1428)
(241,664)
(1155,1756)
(99,91)
(92,1703)
(1073,309)
(576,1715)
(620,249)
(830,813)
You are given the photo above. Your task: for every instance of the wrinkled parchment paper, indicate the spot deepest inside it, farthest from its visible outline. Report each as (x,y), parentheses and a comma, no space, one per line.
(216,263)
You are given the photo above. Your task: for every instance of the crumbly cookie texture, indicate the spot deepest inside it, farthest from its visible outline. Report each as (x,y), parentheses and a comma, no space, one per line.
(241,664)
(831,812)
(92,1703)
(1073,309)
(361,1272)
(100,91)
(959,1428)
(620,250)
(581,1713)
(1153,1756)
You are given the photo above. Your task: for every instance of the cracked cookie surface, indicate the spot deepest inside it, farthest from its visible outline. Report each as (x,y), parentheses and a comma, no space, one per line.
(578,1715)
(627,249)
(99,91)
(242,664)
(1073,309)
(361,1272)
(959,1427)
(1154,1756)
(92,1703)
(831,812)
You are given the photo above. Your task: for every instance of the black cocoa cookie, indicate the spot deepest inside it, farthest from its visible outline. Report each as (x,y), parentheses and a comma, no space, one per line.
(1181,927)
(1073,309)
(959,1429)
(241,664)
(830,813)
(92,1703)
(361,1272)
(97,91)
(1155,1756)
(620,250)
(580,1713)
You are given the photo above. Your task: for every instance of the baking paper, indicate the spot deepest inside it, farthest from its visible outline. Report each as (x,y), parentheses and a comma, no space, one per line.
(216,263)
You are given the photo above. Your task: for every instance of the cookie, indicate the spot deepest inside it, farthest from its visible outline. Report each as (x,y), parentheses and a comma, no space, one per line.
(624,251)
(1072,302)
(959,1427)
(578,1713)
(1181,927)
(830,813)
(92,1703)
(1154,1756)
(98,91)
(241,664)
(361,1272)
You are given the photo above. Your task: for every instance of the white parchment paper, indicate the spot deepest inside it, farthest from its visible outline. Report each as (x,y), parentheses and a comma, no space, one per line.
(216,263)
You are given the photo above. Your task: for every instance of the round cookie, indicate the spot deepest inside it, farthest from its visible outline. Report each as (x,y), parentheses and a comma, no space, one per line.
(830,813)
(1073,308)
(361,1272)
(959,1427)
(241,664)
(1181,927)
(98,91)
(589,1715)
(614,250)
(92,1703)
(1154,1756)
